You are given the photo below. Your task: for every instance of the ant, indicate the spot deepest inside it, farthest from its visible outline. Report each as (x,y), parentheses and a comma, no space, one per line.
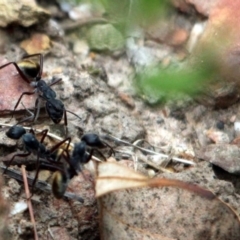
(32,145)
(78,157)
(31,72)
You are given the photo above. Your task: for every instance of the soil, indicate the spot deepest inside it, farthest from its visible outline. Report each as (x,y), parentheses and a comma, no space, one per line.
(108,104)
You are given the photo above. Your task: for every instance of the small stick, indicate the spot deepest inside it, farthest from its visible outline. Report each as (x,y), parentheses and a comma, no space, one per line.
(184,161)
(29,201)
(43,186)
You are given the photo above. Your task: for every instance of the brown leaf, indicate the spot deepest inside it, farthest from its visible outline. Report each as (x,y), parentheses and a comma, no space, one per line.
(38,43)
(167,209)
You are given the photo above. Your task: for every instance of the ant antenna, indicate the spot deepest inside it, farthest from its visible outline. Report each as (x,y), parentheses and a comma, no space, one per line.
(74,114)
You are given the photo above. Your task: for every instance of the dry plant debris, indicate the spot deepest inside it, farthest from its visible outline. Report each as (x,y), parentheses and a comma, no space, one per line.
(38,43)
(159,208)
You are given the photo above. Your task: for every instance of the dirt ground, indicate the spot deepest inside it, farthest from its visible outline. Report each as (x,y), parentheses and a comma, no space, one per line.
(107,103)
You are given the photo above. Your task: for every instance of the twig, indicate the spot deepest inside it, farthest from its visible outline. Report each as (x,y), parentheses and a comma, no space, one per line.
(29,201)
(184,161)
(150,163)
(83,22)
(43,186)
(50,232)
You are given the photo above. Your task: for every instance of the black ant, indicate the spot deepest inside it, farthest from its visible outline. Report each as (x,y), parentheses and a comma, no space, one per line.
(31,72)
(78,157)
(32,145)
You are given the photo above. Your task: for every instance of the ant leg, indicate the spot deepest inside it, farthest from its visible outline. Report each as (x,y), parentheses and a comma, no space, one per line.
(54,148)
(24,93)
(36,176)
(32,131)
(57,146)
(88,158)
(112,151)
(36,109)
(96,150)
(32,116)
(55,82)
(73,114)
(16,155)
(65,122)
(44,132)
(18,69)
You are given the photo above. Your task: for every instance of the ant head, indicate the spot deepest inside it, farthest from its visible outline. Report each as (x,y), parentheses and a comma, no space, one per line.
(93,140)
(55,110)
(15,132)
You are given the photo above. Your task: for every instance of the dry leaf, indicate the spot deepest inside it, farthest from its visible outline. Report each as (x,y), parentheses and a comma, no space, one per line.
(38,43)
(167,209)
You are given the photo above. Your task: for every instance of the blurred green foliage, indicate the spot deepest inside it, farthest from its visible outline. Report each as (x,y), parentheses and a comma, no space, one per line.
(135,11)
(189,79)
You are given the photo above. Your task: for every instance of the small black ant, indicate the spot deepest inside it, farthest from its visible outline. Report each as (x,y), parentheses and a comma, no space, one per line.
(78,157)
(31,72)
(32,145)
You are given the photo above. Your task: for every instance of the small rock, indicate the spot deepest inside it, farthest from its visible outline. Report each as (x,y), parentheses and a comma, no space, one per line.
(203,7)
(178,37)
(19,207)
(81,48)
(25,13)
(105,37)
(81,11)
(237,127)
(225,156)
(14,186)
(218,136)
